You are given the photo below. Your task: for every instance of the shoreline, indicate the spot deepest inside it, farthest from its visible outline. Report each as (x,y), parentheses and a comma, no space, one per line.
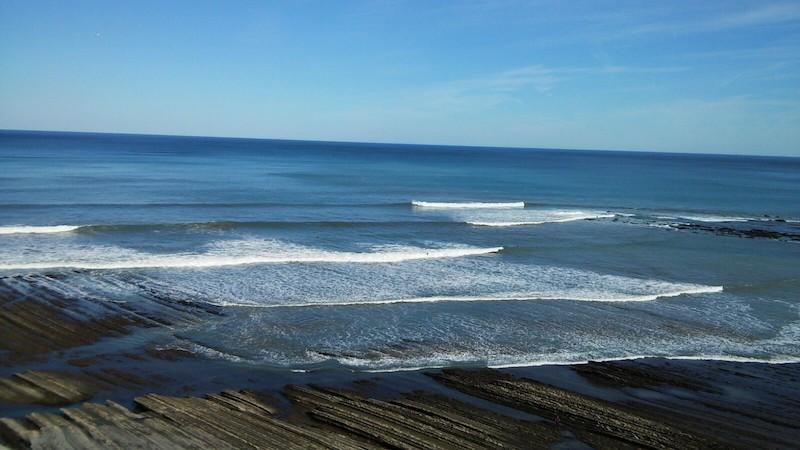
(706,358)
(94,374)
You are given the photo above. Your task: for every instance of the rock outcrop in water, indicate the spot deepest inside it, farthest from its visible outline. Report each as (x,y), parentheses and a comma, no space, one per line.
(741,231)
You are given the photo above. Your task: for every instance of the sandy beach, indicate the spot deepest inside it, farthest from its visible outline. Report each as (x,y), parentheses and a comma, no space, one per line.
(73,376)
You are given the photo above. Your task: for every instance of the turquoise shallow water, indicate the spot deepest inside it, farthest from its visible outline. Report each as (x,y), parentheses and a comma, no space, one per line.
(386,257)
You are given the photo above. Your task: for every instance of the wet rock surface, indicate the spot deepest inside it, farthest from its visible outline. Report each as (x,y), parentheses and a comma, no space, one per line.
(238,419)
(654,403)
(647,412)
(596,422)
(44,388)
(620,375)
(228,420)
(420,420)
(41,315)
(739,231)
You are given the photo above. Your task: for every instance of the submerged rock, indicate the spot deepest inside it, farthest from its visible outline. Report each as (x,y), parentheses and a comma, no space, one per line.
(745,232)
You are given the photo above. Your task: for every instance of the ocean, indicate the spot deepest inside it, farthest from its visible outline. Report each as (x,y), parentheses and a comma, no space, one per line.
(395,257)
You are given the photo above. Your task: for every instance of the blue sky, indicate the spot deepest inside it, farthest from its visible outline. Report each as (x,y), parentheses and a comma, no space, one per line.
(690,76)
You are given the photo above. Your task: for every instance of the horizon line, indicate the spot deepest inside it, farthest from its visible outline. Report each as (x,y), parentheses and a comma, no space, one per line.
(609,150)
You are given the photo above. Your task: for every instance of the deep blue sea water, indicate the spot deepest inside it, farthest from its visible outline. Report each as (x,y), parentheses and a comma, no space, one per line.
(386,257)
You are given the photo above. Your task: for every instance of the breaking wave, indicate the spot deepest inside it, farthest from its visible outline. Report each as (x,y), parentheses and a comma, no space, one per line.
(706,218)
(468,205)
(493,298)
(545,217)
(234,253)
(513,218)
(567,362)
(31,229)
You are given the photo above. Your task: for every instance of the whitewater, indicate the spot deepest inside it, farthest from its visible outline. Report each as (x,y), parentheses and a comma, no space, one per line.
(468,205)
(598,297)
(373,256)
(32,229)
(290,254)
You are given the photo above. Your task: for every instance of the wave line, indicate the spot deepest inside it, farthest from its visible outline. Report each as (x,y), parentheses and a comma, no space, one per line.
(213,260)
(468,205)
(32,229)
(483,298)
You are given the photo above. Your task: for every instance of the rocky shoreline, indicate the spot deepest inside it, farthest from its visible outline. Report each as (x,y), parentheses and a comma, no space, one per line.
(502,409)
(75,373)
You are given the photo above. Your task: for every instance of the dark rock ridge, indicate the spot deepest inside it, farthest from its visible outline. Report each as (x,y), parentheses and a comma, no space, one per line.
(228,420)
(421,420)
(242,420)
(656,403)
(597,422)
(627,404)
(44,388)
(751,233)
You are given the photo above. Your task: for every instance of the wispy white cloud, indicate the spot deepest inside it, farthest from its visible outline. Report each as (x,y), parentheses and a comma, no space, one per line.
(784,52)
(502,87)
(539,77)
(782,70)
(636,21)
(769,14)
(482,92)
(764,15)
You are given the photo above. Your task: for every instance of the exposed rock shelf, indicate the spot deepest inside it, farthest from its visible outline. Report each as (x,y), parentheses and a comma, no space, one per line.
(655,405)
(235,419)
(44,388)
(421,420)
(40,315)
(598,422)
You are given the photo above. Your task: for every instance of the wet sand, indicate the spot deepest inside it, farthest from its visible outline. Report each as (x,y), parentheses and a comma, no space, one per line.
(84,373)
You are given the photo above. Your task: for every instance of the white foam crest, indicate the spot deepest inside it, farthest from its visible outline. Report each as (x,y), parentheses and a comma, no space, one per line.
(512,218)
(465,279)
(32,229)
(710,217)
(663,225)
(235,253)
(550,217)
(600,297)
(445,361)
(709,357)
(504,224)
(714,218)
(202,350)
(468,205)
